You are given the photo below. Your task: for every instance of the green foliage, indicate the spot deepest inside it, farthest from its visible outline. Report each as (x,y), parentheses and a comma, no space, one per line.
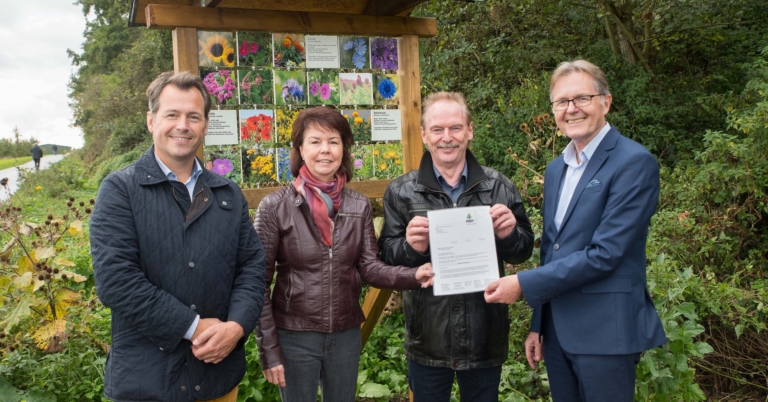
(383,366)
(116,163)
(54,332)
(254,387)
(114,69)
(61,177)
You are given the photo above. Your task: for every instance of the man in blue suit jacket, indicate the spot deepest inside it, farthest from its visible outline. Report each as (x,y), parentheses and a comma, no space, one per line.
(592,314)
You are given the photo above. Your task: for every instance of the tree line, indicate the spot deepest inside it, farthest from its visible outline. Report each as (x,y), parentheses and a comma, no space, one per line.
(16,147)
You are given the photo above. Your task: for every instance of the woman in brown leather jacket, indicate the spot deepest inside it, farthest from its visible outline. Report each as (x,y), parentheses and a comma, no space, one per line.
(318,236)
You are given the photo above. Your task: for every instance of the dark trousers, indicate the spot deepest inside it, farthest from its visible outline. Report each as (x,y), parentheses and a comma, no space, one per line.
(586,378)
(433,384)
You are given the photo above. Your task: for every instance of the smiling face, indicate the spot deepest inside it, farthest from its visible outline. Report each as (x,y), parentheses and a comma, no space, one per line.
(446,134)
(580,124)
(178,127)
(322,150)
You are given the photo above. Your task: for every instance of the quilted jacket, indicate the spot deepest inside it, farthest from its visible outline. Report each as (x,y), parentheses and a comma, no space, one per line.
(156,269)
(318,287)
(458,331)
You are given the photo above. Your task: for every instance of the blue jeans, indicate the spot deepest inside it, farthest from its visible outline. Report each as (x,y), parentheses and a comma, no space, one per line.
(330,360)
(433,384)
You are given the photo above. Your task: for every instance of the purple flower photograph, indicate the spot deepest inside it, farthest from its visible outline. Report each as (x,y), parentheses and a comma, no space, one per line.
(221,86)
(384,53)
(290,88)
(224,161)
(323,87)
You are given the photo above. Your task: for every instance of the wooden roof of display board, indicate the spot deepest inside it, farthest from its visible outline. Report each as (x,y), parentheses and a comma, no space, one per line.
(375,17)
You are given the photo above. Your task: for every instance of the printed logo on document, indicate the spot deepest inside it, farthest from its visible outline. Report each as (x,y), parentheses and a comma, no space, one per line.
(469,219)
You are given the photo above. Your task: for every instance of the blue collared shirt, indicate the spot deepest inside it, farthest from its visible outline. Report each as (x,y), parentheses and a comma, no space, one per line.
(575,171)
(455,191)
(197,170)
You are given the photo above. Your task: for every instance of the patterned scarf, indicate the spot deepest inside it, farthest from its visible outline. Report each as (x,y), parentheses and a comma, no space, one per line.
(323,199)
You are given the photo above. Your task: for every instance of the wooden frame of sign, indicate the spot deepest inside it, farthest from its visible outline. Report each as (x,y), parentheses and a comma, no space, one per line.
(186,19)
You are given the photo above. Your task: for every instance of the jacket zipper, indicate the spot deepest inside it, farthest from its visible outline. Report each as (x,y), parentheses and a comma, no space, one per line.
(330,263)
(288,291)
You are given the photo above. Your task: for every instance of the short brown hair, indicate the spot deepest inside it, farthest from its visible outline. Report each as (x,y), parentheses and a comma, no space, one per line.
(431,99)
(183,81)
(581,66)
(327,119)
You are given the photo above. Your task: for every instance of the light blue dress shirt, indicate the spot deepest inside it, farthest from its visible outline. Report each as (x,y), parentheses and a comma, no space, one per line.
(575,171)
(197,170)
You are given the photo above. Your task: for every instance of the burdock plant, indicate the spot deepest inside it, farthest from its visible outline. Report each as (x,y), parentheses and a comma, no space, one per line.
(34,279)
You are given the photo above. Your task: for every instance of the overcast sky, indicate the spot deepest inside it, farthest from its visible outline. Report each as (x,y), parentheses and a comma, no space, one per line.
(35,69)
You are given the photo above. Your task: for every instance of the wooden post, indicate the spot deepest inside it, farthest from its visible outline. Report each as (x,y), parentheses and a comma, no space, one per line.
(185,58)
(409,76)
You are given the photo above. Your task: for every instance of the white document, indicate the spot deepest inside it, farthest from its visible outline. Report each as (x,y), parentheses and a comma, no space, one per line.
(463,249)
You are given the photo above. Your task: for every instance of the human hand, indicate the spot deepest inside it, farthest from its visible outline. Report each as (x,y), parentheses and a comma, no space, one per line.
(203,324)
(417,233)
(425,275)
(504,221)
(217,341)
(533,350)
(275,375)
(505,290)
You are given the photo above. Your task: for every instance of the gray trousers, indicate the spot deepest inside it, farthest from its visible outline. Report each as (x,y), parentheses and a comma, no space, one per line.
(330,360)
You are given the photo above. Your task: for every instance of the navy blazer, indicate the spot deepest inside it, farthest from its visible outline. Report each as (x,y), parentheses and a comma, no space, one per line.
(592,271)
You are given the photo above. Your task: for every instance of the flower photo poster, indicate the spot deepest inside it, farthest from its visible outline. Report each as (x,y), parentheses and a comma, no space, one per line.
(259,82)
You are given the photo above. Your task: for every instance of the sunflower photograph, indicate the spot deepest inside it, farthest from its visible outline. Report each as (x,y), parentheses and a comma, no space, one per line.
(216,49)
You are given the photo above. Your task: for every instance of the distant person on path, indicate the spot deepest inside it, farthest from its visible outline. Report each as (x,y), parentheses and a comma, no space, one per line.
(177,260)
(37,154)
(319,238)
(592,314)
(55,149)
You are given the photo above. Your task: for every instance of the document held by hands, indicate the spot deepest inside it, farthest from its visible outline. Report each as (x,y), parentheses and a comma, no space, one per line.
(463,249)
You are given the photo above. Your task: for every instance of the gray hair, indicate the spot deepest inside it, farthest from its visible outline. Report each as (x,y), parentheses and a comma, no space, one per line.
(581,66)
(431,99)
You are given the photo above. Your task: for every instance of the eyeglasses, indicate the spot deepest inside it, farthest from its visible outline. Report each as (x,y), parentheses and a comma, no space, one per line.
(579,101)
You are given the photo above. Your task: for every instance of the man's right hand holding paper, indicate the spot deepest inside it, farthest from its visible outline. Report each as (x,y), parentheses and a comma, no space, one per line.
(417,234)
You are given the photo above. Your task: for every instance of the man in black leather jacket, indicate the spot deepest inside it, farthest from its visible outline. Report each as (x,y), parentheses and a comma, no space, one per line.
(458,335)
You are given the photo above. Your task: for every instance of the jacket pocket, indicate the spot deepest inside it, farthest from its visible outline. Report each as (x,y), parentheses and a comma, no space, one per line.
(615,284)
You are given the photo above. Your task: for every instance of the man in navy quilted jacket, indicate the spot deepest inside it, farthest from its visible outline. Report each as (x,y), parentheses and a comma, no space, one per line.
(176,258)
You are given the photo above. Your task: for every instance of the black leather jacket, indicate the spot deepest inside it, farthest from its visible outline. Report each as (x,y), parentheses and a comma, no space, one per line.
(459,331)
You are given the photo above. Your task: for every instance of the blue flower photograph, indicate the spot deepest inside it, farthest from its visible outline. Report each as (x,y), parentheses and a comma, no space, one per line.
(386,89)
(354,52)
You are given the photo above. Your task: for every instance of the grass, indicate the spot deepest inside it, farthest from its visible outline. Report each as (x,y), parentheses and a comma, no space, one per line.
(5,163)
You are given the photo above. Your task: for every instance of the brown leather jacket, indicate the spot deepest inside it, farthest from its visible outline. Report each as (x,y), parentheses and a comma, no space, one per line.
(317,287)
